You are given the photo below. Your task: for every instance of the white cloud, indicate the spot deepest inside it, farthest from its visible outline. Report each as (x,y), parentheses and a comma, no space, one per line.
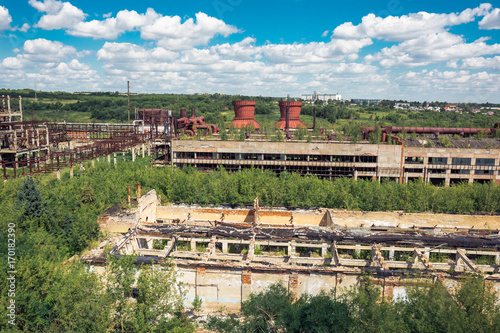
(44,50)
(491,20)
(492,63)
(335,50)
(24,28)
(127,52)
(51,65)
(5,19)
(432,48)
(235,67)
(325,33)
(59,15)
(400,28)
(456,86)
(112,27)
(170,33)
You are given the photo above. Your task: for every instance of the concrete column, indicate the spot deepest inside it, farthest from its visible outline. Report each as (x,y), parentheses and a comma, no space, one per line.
(71,172)
(193,245)
(133,154)
(291,248)
(293,284)
(391,254)
(93,163)
(201,284)
(109,158)
(324,248)
(123,155)
(224,247)
(149,148)
(150,243)
(114,159)
(58,174)
(246,284)
(143,150)
(358,251)
(497,260)
(355,174)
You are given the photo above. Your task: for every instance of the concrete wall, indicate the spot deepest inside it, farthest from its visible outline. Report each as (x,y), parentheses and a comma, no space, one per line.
(341,218)
(228,287)
(148,207)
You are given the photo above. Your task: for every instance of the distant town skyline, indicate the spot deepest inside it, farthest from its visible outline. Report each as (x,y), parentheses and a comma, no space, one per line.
(398,50)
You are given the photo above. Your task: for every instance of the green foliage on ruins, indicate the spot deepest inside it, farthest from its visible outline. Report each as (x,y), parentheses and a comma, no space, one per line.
(425,308)
(57,219)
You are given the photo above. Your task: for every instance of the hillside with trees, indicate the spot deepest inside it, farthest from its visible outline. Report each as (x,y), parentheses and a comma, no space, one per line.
(218,109)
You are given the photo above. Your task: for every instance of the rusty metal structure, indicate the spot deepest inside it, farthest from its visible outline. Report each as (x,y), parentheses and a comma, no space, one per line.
(388,130)
(154,122)
(193,124)
(289,115)
(20,140)
(30,147)
(244,115)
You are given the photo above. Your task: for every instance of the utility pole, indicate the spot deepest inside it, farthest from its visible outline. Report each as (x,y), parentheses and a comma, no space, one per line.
(128,100)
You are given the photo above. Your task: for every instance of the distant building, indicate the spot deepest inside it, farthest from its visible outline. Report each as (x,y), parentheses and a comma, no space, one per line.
(311,98)
(402,105)
(363,101)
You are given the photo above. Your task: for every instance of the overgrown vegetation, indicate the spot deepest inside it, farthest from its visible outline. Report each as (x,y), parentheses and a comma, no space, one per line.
(58,219)
(425,308)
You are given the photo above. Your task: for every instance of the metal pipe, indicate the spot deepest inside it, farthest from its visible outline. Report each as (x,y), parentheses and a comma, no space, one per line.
(314,119)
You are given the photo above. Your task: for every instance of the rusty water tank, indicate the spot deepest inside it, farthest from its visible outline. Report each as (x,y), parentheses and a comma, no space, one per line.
(294,114)
(244,114)
(183,113)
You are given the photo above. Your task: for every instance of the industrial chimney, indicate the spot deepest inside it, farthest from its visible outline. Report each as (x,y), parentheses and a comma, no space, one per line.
(293,116)
(244,114)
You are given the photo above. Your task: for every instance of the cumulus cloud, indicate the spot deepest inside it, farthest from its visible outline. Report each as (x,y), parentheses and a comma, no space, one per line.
(5,19)
(481,63)
(400,28)
(127,52)
(432,48)
(112,27)
(59,15)
(51,64)
(233,67)
(456,85)
(491,20)
(171,33)
(168,31)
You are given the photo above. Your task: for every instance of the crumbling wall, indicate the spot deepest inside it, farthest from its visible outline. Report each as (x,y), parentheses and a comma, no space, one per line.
(340,218)
(148,207)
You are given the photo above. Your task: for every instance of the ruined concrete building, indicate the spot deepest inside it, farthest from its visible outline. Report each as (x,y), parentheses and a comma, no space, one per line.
(225,254)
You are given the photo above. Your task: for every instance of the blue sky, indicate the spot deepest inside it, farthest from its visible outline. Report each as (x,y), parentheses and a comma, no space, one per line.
(410,50)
